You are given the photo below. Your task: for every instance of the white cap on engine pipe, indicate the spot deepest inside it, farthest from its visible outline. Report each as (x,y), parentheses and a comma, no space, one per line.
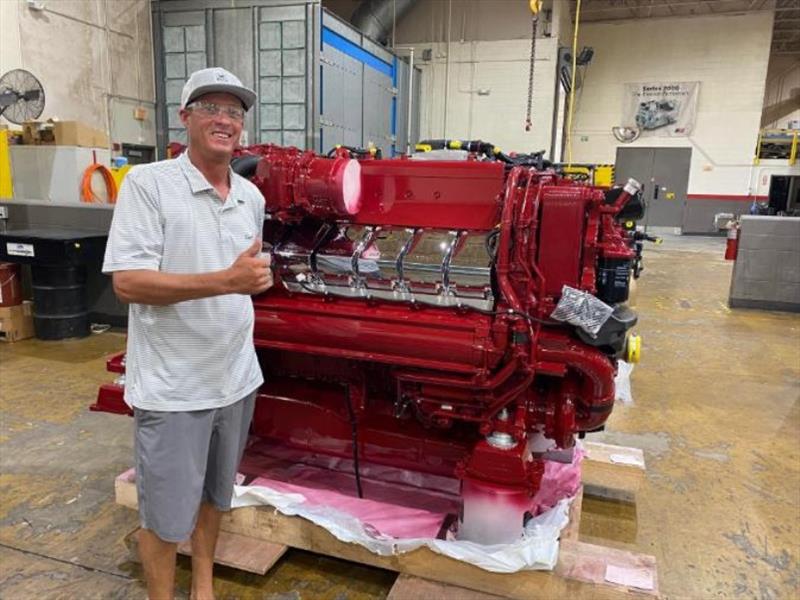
(633,187)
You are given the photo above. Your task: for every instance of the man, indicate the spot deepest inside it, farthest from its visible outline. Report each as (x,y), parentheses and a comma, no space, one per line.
(184,250)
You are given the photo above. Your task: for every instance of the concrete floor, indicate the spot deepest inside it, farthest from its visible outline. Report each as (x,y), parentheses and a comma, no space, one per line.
(716,410)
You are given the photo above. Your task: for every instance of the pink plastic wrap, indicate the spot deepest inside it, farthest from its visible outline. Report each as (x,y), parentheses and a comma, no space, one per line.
(560,480)
(381,517)
(396,503)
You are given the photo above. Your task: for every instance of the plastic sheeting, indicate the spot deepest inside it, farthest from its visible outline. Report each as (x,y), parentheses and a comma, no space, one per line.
(622,382)
(582,309)
(397,516)
(536,549)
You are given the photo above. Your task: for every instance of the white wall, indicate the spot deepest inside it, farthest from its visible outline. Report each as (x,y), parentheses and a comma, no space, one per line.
(88,54)
(487,93)
(487,70)
(727,54)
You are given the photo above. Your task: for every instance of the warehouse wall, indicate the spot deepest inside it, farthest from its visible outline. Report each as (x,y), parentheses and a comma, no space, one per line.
(90,55)
(94,59)
(783,91)
(728,55)
(487,93)
(486,75)
(487,71)
(479,20)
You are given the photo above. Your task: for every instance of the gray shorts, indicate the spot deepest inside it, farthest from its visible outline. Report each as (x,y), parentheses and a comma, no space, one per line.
(183,458)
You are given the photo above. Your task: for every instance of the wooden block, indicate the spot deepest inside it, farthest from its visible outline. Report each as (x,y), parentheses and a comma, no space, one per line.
(408,587)
(591,563)
(237,551)
(609,466)
(125,489)
(609,519)
(242,552)
(571,531)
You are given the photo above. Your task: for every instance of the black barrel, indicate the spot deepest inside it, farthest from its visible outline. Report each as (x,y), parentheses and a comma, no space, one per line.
(60,307)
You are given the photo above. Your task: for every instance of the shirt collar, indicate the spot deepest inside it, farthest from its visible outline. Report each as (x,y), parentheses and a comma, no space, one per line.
(199,183)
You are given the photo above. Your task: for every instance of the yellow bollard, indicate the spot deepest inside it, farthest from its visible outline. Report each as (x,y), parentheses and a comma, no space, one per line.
(6,184)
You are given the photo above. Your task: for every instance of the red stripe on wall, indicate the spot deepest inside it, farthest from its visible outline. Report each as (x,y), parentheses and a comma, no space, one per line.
(728,197)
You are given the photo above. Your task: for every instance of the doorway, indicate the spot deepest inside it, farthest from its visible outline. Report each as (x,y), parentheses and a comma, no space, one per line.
(664,175)
(784,195)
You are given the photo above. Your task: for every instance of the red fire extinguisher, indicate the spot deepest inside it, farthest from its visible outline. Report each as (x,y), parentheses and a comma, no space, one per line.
(732,244)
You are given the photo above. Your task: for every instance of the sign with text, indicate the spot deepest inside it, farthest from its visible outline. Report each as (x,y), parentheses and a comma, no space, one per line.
(661,109)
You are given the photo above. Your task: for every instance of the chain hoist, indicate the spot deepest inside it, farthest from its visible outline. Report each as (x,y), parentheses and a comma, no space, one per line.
(536,7)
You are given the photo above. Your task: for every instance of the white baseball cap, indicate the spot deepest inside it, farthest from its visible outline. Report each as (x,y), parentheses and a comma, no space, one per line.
(216,79)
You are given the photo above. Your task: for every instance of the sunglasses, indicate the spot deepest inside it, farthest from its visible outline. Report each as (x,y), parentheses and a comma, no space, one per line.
(209,109)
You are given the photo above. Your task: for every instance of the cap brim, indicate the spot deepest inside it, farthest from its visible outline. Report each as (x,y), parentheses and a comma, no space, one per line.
(246,95)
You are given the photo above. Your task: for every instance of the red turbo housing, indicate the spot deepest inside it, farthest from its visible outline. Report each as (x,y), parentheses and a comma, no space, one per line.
(409,324)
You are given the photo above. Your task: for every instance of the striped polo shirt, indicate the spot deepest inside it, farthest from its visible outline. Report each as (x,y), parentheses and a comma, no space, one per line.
(197,354)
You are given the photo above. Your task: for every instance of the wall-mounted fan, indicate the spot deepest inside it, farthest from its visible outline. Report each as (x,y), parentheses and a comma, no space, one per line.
(21,96)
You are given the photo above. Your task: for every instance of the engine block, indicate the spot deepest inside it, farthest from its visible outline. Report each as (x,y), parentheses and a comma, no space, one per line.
(410,322)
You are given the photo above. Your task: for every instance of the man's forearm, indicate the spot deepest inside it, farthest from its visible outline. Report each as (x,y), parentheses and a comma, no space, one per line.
(160,289)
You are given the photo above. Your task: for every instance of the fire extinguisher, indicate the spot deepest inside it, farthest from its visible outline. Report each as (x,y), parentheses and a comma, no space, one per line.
(732,244)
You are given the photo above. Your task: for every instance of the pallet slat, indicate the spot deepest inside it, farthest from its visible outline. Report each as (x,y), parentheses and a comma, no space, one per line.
(408,587)
(616,467)
(571,531)
(238,551)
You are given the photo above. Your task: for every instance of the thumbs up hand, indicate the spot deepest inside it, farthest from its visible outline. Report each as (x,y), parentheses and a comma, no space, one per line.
(250,273)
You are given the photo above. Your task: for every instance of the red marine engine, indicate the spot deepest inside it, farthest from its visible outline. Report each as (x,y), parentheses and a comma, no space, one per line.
(410,322)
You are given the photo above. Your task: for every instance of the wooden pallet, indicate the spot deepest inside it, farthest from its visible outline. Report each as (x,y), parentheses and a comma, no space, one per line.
(254,538)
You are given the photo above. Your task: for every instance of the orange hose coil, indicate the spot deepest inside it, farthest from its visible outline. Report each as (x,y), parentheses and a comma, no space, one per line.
(87,193)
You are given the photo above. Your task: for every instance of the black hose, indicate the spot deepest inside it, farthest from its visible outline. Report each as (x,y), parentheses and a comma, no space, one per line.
(245,165)
(511,311)
(491,244)
(490,151)
(534,159)
(354,429)
(355,152)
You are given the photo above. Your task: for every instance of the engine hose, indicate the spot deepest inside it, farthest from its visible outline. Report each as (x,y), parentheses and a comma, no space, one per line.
(356,152)
(245,165)
(487,149)
(354,432)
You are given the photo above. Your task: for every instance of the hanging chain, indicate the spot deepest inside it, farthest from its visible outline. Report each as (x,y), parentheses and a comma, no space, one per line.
(528,123)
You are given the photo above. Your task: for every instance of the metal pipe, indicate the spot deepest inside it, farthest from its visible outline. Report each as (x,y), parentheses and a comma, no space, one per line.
(410,99)
(499,377)
(504,247)
(375,18)
(447,67)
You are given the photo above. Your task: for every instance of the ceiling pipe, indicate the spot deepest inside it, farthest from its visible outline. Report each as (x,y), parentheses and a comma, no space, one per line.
(374,18)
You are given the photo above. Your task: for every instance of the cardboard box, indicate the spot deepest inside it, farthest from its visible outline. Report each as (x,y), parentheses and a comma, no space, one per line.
(63,133)
(16,322)
(75,133)
(37,132)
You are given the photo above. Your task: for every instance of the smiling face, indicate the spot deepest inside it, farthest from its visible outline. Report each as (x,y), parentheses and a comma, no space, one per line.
(213,136)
